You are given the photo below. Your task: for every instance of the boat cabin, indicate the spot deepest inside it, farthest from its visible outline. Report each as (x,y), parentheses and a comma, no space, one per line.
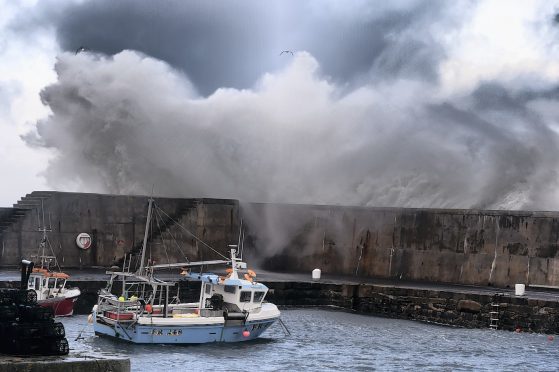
(46,284)
(235,295)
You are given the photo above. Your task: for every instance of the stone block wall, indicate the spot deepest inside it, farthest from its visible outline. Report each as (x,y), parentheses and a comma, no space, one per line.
(116,224)
(454,308)
(497,248)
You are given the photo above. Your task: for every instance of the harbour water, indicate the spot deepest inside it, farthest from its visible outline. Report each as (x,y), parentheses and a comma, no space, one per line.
(323,339)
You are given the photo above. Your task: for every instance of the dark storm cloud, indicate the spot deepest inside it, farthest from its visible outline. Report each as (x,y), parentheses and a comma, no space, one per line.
(232,44)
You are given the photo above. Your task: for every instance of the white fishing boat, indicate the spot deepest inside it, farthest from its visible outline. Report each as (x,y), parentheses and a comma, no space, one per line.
(147,310)
(50,286)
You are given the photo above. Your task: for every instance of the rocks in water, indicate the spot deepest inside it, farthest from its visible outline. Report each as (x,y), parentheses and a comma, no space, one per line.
(468,306)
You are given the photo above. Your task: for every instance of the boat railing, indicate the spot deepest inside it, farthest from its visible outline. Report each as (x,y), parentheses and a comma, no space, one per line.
(111,307)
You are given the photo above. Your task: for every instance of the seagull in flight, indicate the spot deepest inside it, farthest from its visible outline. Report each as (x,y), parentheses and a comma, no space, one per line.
(286,52)
(81,49)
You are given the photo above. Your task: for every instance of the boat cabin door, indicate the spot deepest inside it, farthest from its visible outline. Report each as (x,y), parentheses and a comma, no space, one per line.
(38,283)
(206,294)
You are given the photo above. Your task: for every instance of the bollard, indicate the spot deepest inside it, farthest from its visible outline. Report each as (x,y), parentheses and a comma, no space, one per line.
(316,274)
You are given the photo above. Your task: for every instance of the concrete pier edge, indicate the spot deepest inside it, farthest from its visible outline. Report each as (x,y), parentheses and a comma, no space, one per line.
(72,362)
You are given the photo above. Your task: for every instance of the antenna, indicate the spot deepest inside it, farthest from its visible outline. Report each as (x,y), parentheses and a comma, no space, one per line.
(243,245)
(240,233)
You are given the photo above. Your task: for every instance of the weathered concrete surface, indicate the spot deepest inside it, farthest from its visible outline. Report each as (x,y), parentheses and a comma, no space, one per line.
(455,308)
(73,363)
(498,248)
(116,224)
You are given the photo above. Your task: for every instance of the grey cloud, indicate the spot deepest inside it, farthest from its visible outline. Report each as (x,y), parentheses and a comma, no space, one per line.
(232,44)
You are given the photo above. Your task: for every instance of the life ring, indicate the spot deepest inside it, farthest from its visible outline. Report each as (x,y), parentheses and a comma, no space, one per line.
(251,273)
(248,277)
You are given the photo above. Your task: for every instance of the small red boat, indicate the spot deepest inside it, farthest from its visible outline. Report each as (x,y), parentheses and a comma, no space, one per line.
(52,292)
(50,285)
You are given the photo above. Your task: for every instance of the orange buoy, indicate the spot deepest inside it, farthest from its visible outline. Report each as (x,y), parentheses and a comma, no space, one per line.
(550,338)
(246,333)
(149,308)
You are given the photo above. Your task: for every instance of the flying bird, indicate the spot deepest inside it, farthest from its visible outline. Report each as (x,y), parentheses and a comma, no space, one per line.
(287,52)
(81,49)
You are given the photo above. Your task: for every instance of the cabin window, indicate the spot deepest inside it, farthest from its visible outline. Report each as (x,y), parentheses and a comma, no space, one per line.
(52,281)
(245,296)
(258,296)
(37,282)
(230,289)
(208,289)
(31,283)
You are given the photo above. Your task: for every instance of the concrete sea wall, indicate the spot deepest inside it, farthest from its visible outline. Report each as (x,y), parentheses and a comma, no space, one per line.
(497,248)
(449,307)
(116,225)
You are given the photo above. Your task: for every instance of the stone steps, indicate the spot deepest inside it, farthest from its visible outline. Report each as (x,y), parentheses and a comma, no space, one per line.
(24,206)
(158,230)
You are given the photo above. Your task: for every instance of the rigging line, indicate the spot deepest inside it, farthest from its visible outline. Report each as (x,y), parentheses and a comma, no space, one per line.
(191,234)
(52,251)
(175,240)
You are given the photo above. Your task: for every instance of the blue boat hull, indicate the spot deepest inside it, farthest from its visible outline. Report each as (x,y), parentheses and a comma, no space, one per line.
(199,334)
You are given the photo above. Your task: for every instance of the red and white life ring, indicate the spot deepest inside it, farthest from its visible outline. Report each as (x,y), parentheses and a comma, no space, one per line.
(83,240)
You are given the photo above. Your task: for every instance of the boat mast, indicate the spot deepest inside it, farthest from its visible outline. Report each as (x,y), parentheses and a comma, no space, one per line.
(234,260)
(141,269)
(45,260)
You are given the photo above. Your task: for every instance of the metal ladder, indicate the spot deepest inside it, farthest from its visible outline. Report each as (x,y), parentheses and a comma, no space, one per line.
(494,313)
(494,316)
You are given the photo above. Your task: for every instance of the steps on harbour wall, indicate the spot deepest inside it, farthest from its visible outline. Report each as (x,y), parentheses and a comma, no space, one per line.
(10,217)
(162,227)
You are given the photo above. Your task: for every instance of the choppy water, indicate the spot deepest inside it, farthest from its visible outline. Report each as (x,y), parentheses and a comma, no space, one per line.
(334,340)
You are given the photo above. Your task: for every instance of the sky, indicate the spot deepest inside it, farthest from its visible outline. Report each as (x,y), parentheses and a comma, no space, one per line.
(435,104)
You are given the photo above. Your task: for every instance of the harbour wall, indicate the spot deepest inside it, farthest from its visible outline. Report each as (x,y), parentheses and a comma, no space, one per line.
(116,225)
(473,247)
(446,307)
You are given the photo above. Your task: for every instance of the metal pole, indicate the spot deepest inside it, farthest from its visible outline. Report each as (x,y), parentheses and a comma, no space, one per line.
(145,237)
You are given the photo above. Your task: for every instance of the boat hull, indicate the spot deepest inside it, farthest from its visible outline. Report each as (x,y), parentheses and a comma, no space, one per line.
(61,306)
(146,334)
